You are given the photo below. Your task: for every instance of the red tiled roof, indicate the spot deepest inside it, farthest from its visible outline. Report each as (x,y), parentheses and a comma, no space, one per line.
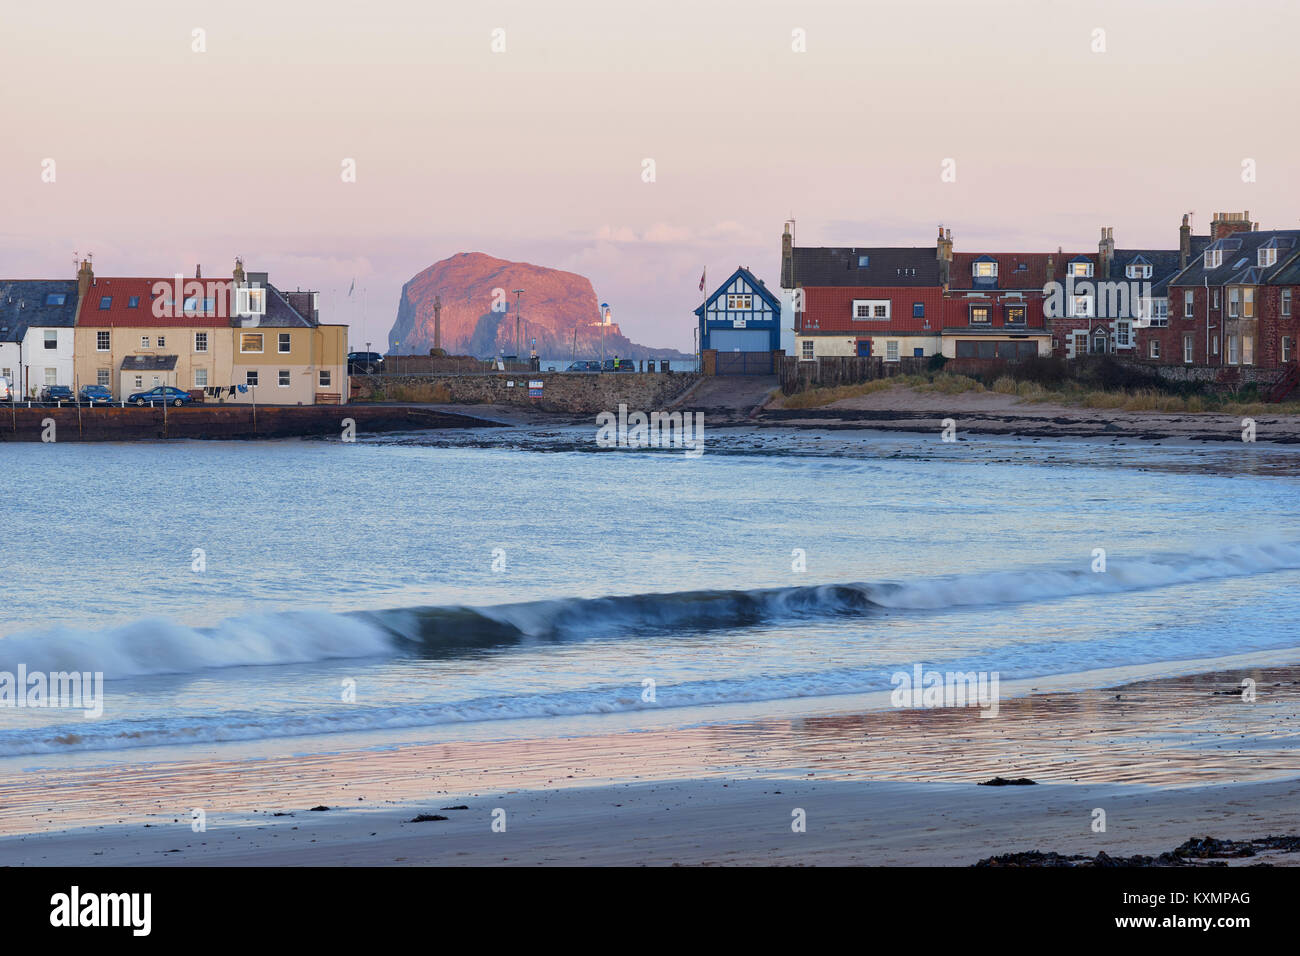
(120,314)
(1010,276)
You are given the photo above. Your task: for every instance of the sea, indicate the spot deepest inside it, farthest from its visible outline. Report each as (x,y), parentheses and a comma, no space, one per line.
(250,598)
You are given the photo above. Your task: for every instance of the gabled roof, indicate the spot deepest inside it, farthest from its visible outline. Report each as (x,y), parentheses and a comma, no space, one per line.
(25,303)
(1241,259)
(754,283)
(1163,263)
(108,304)
(865,266)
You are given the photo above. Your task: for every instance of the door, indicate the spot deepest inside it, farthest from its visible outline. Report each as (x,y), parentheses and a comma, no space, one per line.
(740,340)
(864,348)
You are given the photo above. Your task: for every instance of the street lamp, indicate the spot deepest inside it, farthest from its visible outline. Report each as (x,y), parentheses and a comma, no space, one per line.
(517,293)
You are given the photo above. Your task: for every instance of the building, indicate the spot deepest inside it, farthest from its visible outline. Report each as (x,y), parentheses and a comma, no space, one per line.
(1233,305)
(878,300)
(240,339)
(741,322)
(36,334)
(994,304)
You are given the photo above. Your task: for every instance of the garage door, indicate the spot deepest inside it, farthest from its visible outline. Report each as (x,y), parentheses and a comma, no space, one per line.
(744,340)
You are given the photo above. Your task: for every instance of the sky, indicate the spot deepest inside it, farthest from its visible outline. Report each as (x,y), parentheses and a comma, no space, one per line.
(523,130)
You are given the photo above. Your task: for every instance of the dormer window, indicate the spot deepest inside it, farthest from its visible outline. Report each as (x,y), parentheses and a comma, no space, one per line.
(864,261)
(1081,270)
(1268,257)
(1213,258)
(985,270)
(1139,271)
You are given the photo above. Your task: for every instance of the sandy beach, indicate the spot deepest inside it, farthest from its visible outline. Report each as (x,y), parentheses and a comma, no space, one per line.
(1166,760)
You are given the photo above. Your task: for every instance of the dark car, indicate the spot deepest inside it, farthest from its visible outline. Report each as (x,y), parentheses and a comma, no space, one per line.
(96,394)
(584,367)
(620,365)
(57,393)
(162,395)
(364,363)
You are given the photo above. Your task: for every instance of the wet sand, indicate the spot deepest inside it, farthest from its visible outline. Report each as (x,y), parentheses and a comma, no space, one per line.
(1166,759)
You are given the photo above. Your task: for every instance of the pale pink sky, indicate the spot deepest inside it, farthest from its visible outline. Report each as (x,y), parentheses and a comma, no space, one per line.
(166,157)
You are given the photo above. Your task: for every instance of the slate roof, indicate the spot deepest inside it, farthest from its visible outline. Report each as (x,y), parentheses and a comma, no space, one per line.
(23,306)
(279,313)
(885,266)
(1241,258)
(149,363)
(1017,271)
(1163,262)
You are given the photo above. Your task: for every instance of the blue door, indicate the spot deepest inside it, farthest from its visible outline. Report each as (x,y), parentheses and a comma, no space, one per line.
(864,348)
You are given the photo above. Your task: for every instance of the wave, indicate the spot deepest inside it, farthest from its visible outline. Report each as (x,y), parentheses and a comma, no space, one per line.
(156,646)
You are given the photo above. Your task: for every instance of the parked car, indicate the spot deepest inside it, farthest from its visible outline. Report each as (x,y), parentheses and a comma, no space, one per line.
(96,394)
(57,393)
(162,395)
(584,367)
(6,390)
(365,363)
(620,365)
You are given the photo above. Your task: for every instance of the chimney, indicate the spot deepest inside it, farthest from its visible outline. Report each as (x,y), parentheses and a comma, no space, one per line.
(85,279)
(1184,243)
(787,259)
(1051,270)
(437,322)
(1226,223)
(239,271)
(198,271)
(943,252)
(1105,252)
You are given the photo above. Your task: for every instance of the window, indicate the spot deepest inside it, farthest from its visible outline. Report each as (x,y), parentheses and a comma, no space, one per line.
(981,314)
(1138,271)
(1154,348)
(1123,334)
(200,378)
(1188,346)
(1267,257)
(1214,298)
(51,376)
(1232,350)
(806,350)
(250,342)
(1214,345)
(873,309)
(56,298)
(918,310)
(1286,301)
(102,340)
(1080,343)
(1159,312)
(984,270)
(1015,315)
(250,301)
(1247,303)
(325,375)
(283,380)
(891,351)
(1080,270)
(864,261)
(144,341)
(102,377)
(162,341)
(1248,350)
(250,377)
(1286,348)
(200,341)
(190,305)
(105,303)
(133,302)
(139,381)
(284,339)
(1082,306)
(51,338)
(735,303)
(1187,303)
(1234,303)
(1213,258)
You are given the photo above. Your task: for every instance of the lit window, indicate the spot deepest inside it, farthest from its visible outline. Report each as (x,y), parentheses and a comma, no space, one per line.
(1080,270)
(250,342)
(1248,303)
(981,314)
(735,303)
(1082,306)
(984,270)
(1015,315)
